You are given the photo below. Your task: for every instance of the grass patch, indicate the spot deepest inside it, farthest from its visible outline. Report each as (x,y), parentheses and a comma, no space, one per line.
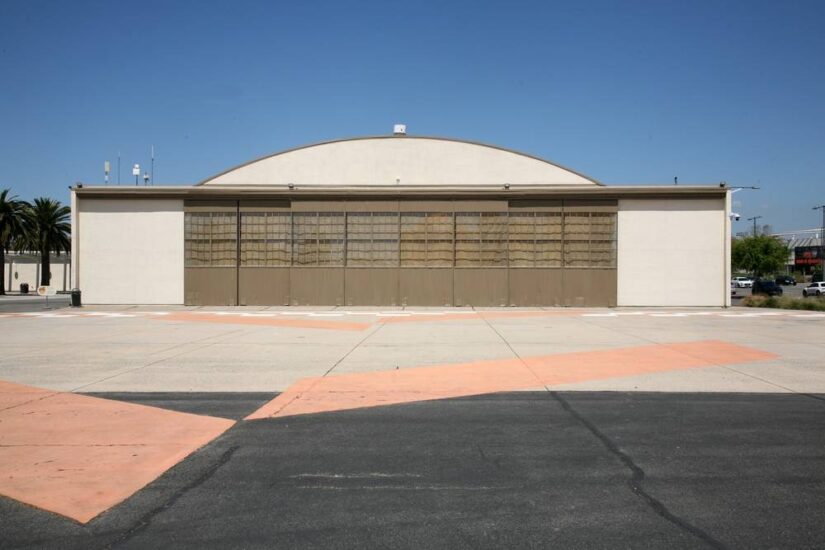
(807,304)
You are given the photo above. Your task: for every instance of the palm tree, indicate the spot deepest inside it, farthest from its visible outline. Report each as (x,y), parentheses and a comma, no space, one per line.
(48,230)
(13,216)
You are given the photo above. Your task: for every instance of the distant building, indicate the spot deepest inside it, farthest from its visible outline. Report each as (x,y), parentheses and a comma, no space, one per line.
(804,246)
(24,268)
(401,220)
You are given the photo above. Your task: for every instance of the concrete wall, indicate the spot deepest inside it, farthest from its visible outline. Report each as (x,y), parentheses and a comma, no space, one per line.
(673,252)
(404,160)
(25,268)
(129,251)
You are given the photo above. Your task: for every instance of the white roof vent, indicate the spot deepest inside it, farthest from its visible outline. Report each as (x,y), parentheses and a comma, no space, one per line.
(399,130)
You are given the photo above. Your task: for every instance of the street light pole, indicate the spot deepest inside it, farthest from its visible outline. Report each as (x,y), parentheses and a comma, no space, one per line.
(822,241)
(754,223)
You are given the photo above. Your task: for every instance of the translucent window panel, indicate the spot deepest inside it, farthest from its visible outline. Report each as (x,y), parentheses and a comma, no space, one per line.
(266,239)
(426,239)
(278,239)
(577,239)
(210,239)
(331,231)
(197,238)
(548,254)
(548,239)
(468,239)
(493,239)
(305,238)
(372,239)
(603,239)
(522,239)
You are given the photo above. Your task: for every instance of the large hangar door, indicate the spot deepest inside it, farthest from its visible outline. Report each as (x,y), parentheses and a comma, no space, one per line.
(535,253)
(480,277)
(318,239)
(589,275)
(425,276)
(372,236)
(265,253)
(211,253)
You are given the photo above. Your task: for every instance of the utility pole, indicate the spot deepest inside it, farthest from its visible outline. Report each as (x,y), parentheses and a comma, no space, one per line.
(821,240)
(754,223)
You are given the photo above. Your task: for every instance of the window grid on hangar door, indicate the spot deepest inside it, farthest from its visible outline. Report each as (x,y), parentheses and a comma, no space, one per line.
(409,239)
(210,239)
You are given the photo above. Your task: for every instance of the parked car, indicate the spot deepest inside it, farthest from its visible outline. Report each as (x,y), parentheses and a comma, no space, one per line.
(814,289)
(742,282)
(769,288)
(785,280)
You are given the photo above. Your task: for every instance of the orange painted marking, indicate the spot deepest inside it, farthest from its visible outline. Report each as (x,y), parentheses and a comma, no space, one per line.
(78,456)
(359,390)
(480,315)
(265,321)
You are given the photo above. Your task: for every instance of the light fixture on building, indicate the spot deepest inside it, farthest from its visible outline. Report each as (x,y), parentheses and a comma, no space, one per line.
(507,186)
(291,185)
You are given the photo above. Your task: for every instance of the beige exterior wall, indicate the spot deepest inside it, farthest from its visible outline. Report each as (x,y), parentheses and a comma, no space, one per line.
(673,252)
(399,160)
(129,251)
(25,268)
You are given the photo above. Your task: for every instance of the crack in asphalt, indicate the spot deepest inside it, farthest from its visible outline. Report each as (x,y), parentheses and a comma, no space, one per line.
(638,475)
(147,518)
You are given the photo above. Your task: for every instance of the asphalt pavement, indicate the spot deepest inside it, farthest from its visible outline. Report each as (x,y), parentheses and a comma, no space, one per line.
(13,303)
(528,469)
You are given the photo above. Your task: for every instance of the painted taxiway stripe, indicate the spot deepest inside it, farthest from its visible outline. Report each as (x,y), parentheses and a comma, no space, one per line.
(372,389)
(78,456)
(266,321)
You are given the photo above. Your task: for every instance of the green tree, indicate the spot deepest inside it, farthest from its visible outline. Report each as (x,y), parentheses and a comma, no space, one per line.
(13,216)
(48,230)
(760,255)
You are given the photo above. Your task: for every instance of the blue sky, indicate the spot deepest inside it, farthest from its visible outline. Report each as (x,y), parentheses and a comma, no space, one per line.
(631,92)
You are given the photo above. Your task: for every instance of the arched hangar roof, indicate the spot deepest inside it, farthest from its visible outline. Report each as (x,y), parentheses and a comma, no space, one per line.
(399,160)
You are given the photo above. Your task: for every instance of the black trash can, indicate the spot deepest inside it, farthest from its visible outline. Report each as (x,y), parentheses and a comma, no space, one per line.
(24,288)
(75,297)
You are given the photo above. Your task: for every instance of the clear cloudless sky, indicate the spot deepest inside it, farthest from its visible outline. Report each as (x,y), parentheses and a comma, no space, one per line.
(628,92)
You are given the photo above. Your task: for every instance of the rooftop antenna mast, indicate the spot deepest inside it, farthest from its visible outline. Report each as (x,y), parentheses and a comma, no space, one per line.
(118,167)
(152,168)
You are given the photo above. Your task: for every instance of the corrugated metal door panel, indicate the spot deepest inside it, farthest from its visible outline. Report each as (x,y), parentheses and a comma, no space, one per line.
(317,286)
(264,286)
(431,286)
(536,287)
(210,286)
(480,287)
(371,286)
(589,287)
